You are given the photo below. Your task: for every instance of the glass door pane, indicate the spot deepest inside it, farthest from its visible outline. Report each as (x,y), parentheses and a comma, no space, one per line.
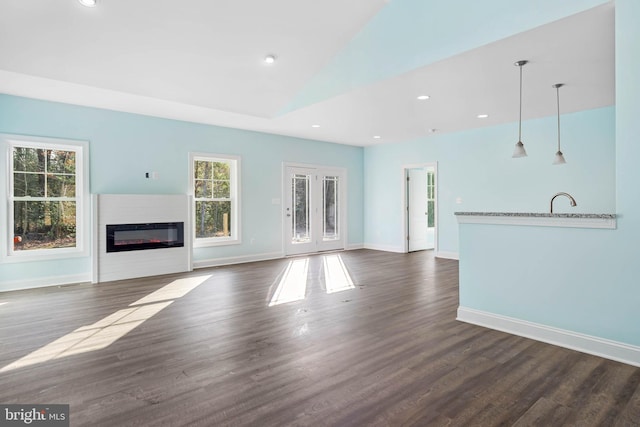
(330,217)
(301,224)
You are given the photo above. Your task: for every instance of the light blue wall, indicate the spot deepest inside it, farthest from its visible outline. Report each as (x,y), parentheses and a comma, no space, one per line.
(408,34)
(580,280)
(477,167)
(124,146)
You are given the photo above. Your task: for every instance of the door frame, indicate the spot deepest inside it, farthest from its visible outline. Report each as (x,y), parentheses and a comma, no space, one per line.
(342,200)
(405,206)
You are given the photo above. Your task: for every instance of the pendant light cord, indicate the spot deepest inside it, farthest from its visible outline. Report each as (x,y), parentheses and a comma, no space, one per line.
(520,120)
(558,99)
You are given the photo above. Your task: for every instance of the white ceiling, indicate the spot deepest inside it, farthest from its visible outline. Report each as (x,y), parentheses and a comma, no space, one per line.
(203,63)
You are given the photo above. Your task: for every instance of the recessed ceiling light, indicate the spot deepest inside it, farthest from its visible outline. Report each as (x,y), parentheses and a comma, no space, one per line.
(423,97)
(315,126)
(88,3)
(483,116)
(376,137)
(270,59)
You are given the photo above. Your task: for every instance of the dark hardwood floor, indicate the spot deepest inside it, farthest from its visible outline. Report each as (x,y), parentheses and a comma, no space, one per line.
(206,348)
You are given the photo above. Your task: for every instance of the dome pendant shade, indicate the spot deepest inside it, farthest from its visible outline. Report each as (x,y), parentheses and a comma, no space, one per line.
(519,150)
(559,158)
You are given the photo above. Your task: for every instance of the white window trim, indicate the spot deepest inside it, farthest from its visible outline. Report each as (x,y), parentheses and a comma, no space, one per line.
(83,200)
(236,197)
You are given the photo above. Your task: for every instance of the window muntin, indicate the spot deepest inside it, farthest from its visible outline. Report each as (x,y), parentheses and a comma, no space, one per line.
(215,197)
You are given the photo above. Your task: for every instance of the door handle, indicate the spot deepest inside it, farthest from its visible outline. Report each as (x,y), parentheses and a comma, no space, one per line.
(288,214)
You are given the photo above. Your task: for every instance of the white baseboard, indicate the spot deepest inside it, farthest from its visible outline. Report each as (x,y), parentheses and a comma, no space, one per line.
(386,248)
(354,246)
(400,250)
(216,262)
(448,255)
(42,282)
(608,349)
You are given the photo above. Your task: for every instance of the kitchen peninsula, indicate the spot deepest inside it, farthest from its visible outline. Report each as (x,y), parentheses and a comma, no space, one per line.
(511,264)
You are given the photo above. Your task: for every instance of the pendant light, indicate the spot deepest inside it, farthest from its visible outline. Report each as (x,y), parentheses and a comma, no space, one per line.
(519,150)
(559,159)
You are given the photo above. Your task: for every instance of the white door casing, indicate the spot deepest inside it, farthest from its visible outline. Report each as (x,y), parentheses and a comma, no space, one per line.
(420,218)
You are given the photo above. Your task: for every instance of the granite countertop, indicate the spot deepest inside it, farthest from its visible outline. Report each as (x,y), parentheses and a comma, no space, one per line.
(538,215)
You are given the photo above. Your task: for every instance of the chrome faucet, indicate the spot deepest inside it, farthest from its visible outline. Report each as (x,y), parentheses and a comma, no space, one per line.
(571,199)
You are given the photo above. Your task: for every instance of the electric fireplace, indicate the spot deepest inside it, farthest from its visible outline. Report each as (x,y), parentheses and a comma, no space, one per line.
(136,237)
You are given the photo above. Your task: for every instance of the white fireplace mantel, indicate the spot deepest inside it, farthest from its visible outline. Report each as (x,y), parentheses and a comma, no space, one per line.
(136,209)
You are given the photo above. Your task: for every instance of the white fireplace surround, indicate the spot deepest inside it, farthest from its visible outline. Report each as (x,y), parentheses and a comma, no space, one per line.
(137,209)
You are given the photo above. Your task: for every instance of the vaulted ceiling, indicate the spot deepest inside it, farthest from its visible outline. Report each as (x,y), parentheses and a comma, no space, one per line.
(202,61)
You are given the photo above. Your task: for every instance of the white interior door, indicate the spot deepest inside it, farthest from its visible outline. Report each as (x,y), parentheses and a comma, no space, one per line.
(417,209)
(314,209)
(421,208)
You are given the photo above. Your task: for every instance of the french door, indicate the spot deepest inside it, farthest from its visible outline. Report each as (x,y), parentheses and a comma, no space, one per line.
(313,209)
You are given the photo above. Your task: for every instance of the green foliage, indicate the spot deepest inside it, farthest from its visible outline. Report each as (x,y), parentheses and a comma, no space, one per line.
(210,219)
(212,180)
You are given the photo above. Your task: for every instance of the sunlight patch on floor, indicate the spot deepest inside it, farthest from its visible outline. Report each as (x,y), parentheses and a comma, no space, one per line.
(336,276)
(92,337)
(108,330)
(174,290)
(293,284)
